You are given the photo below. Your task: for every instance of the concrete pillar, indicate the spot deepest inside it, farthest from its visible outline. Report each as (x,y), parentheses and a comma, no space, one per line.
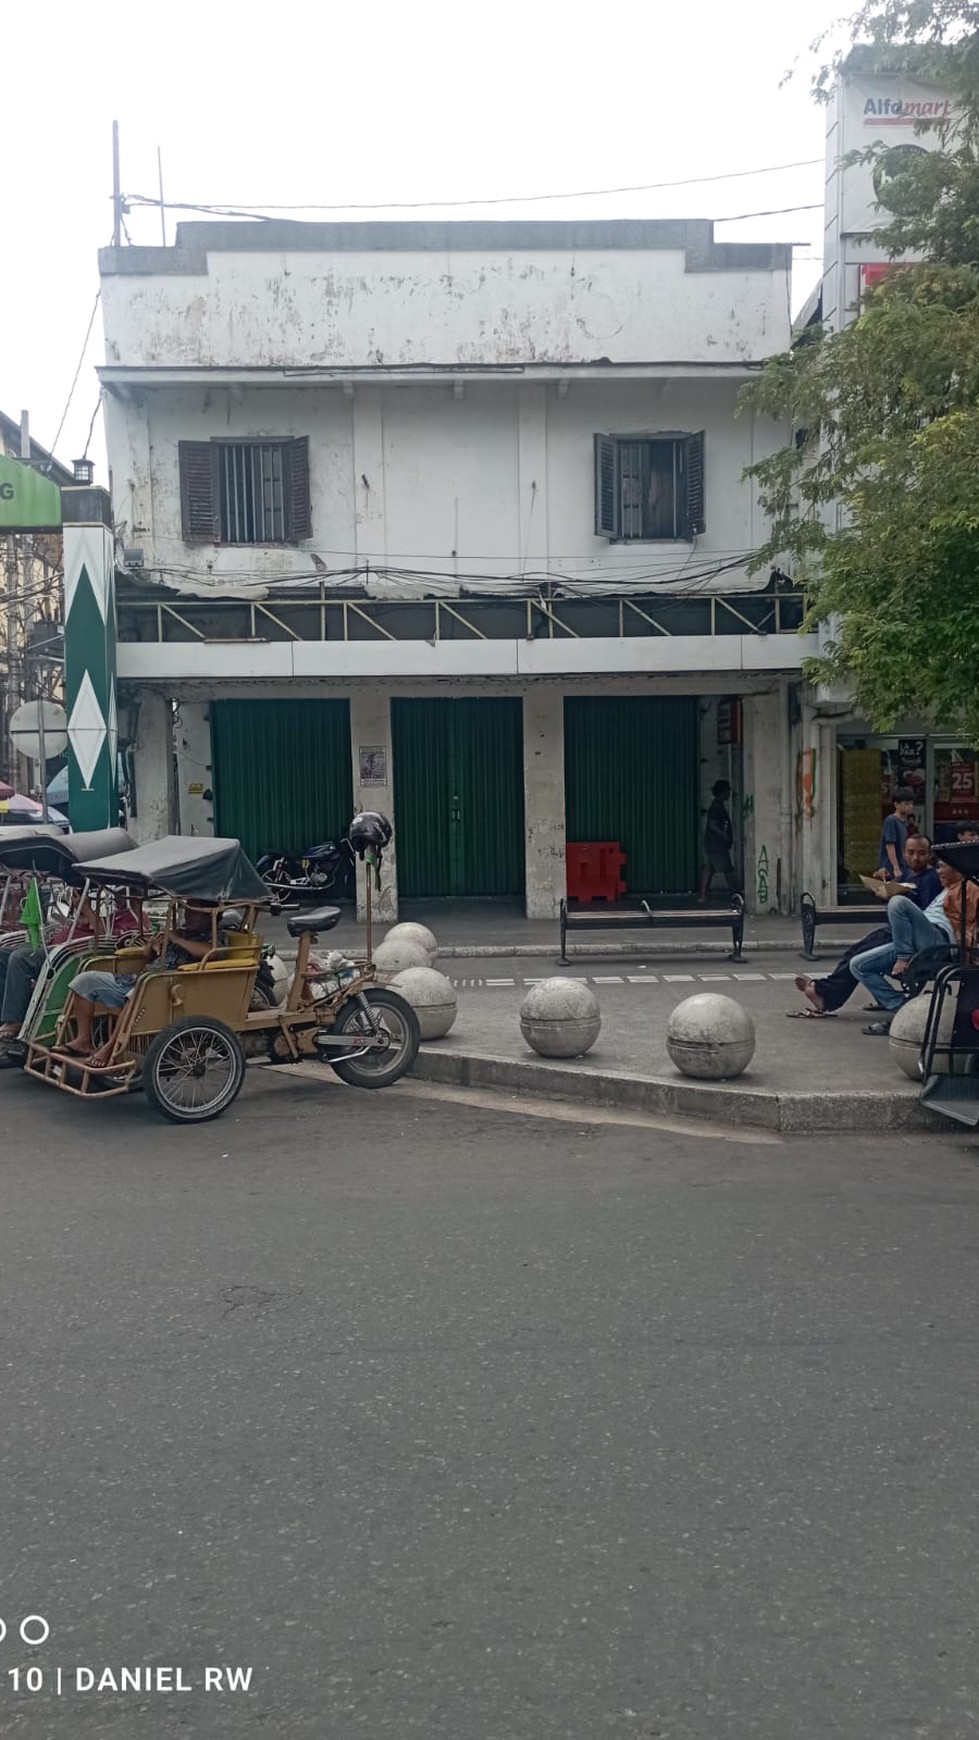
(544,818)
(816,805)
(766,840)
(152,754)
(90,658)
(192,743)
(373,785)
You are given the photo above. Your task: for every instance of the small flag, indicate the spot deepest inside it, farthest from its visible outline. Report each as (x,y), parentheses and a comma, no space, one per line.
(31,916)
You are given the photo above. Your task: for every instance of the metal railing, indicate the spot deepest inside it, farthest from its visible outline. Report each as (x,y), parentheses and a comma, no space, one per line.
(324,617)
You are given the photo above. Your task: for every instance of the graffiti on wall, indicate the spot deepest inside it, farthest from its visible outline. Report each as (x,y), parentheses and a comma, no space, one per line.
(762,878)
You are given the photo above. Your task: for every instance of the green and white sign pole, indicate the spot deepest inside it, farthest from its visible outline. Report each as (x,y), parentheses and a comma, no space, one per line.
(90,658)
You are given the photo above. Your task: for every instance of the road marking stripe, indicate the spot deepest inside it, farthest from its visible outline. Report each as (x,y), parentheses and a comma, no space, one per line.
(678,978)
(501,981)
(642,978)
(709,978)
(746,977)
(608,979)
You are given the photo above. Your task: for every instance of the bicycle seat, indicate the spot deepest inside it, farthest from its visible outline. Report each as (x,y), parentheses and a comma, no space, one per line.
(307,923)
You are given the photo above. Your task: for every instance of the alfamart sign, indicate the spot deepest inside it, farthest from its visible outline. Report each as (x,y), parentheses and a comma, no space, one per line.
(904,111)
(29,502)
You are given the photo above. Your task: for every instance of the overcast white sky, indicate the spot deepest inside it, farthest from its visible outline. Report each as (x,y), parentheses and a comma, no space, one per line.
(301,101)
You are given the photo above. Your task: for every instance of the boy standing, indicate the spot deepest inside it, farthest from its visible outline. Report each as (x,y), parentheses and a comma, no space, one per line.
(894,835)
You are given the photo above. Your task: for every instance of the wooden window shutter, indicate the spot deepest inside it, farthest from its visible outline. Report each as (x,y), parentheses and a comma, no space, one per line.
(606,487)
(297,488)
(695,516)
(198,492)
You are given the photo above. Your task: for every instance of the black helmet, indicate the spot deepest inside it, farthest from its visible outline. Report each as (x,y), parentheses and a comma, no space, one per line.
(369,831)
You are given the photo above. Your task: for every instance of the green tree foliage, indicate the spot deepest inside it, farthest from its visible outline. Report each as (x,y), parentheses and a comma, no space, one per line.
(874,502)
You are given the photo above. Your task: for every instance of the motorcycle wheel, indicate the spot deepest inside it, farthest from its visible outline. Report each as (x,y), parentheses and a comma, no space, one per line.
(378,1069)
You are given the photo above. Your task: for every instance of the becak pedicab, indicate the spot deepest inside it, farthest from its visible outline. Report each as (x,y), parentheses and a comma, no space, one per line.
(184,1033)
(50,860)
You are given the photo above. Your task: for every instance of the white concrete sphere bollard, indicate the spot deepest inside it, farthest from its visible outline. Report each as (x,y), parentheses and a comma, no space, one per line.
(710,1037)
(395,954)
(416,933)
(432,996)
(560,1018)
(908,1031)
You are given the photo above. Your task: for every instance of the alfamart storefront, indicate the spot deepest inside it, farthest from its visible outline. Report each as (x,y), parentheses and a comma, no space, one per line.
(943,773)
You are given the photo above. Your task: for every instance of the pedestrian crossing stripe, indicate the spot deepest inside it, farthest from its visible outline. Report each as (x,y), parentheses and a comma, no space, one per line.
(506,984)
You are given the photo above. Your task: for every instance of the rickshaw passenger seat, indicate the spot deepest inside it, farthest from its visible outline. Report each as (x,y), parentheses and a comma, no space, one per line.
(307,923)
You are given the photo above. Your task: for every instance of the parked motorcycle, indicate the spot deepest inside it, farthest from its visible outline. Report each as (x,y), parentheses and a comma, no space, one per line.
(321,872)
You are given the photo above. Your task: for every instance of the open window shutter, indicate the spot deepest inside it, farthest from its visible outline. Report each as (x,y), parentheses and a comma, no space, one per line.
(696,517)
(606,487)
(198,491)
(297,488)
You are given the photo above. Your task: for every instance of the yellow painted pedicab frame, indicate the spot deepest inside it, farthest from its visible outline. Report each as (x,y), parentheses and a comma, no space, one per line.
(185,1034)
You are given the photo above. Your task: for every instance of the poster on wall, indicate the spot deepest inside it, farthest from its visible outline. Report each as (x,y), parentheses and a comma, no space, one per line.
(373,760)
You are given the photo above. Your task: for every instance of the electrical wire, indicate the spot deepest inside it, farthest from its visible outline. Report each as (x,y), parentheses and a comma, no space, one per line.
(245,209)
(255,214)
(88,438)
(81,359)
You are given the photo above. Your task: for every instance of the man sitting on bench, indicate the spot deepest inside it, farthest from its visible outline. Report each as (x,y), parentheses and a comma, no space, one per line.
(938,927)
(824,996)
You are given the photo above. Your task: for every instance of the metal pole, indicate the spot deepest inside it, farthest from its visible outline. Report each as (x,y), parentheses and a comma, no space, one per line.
(43,747)
(116,190)
(163,209)
(13,696)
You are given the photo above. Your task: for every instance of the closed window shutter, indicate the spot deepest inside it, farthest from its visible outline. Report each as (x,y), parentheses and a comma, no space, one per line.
(297,488)
(198,491)
(606,490)
(695,507)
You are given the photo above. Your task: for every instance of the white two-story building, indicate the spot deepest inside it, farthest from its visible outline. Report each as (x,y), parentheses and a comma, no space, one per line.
(449,520)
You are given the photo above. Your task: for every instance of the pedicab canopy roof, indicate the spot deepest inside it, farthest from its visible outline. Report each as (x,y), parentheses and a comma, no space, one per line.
(962,855)
(188,867)
(47,851)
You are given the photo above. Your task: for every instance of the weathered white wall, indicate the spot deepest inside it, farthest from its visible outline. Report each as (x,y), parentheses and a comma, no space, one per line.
(153,763)
(192,744)
(499,483)
(207,305)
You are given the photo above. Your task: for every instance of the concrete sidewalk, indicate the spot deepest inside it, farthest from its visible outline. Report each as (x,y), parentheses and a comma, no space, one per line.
(805,1075)
(490,929)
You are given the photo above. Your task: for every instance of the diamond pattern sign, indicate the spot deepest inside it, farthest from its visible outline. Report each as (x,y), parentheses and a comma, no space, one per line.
(90,670)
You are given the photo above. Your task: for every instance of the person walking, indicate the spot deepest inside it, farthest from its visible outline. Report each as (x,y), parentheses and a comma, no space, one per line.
(718,841)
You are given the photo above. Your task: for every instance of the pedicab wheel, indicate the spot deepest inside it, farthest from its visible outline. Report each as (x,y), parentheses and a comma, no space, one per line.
(397,1019)
(193,1070)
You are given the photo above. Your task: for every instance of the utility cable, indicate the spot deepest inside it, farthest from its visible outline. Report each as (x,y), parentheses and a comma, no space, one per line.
(244,208)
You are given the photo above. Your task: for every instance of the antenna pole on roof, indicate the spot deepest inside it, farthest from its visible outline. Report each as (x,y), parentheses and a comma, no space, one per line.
(116,190)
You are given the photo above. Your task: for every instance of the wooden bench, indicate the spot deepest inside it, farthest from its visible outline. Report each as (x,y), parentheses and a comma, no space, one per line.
(873,916)
(643,915)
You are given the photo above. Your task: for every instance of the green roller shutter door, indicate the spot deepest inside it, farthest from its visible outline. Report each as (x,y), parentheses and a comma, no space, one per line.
(281,773)
(632,775)
(458,773)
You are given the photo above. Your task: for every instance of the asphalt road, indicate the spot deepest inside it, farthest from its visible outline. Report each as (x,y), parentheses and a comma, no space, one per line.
(454,1422)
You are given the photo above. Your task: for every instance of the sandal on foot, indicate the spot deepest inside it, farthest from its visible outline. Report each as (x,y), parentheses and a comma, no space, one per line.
(877,1029)
(810,1014)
